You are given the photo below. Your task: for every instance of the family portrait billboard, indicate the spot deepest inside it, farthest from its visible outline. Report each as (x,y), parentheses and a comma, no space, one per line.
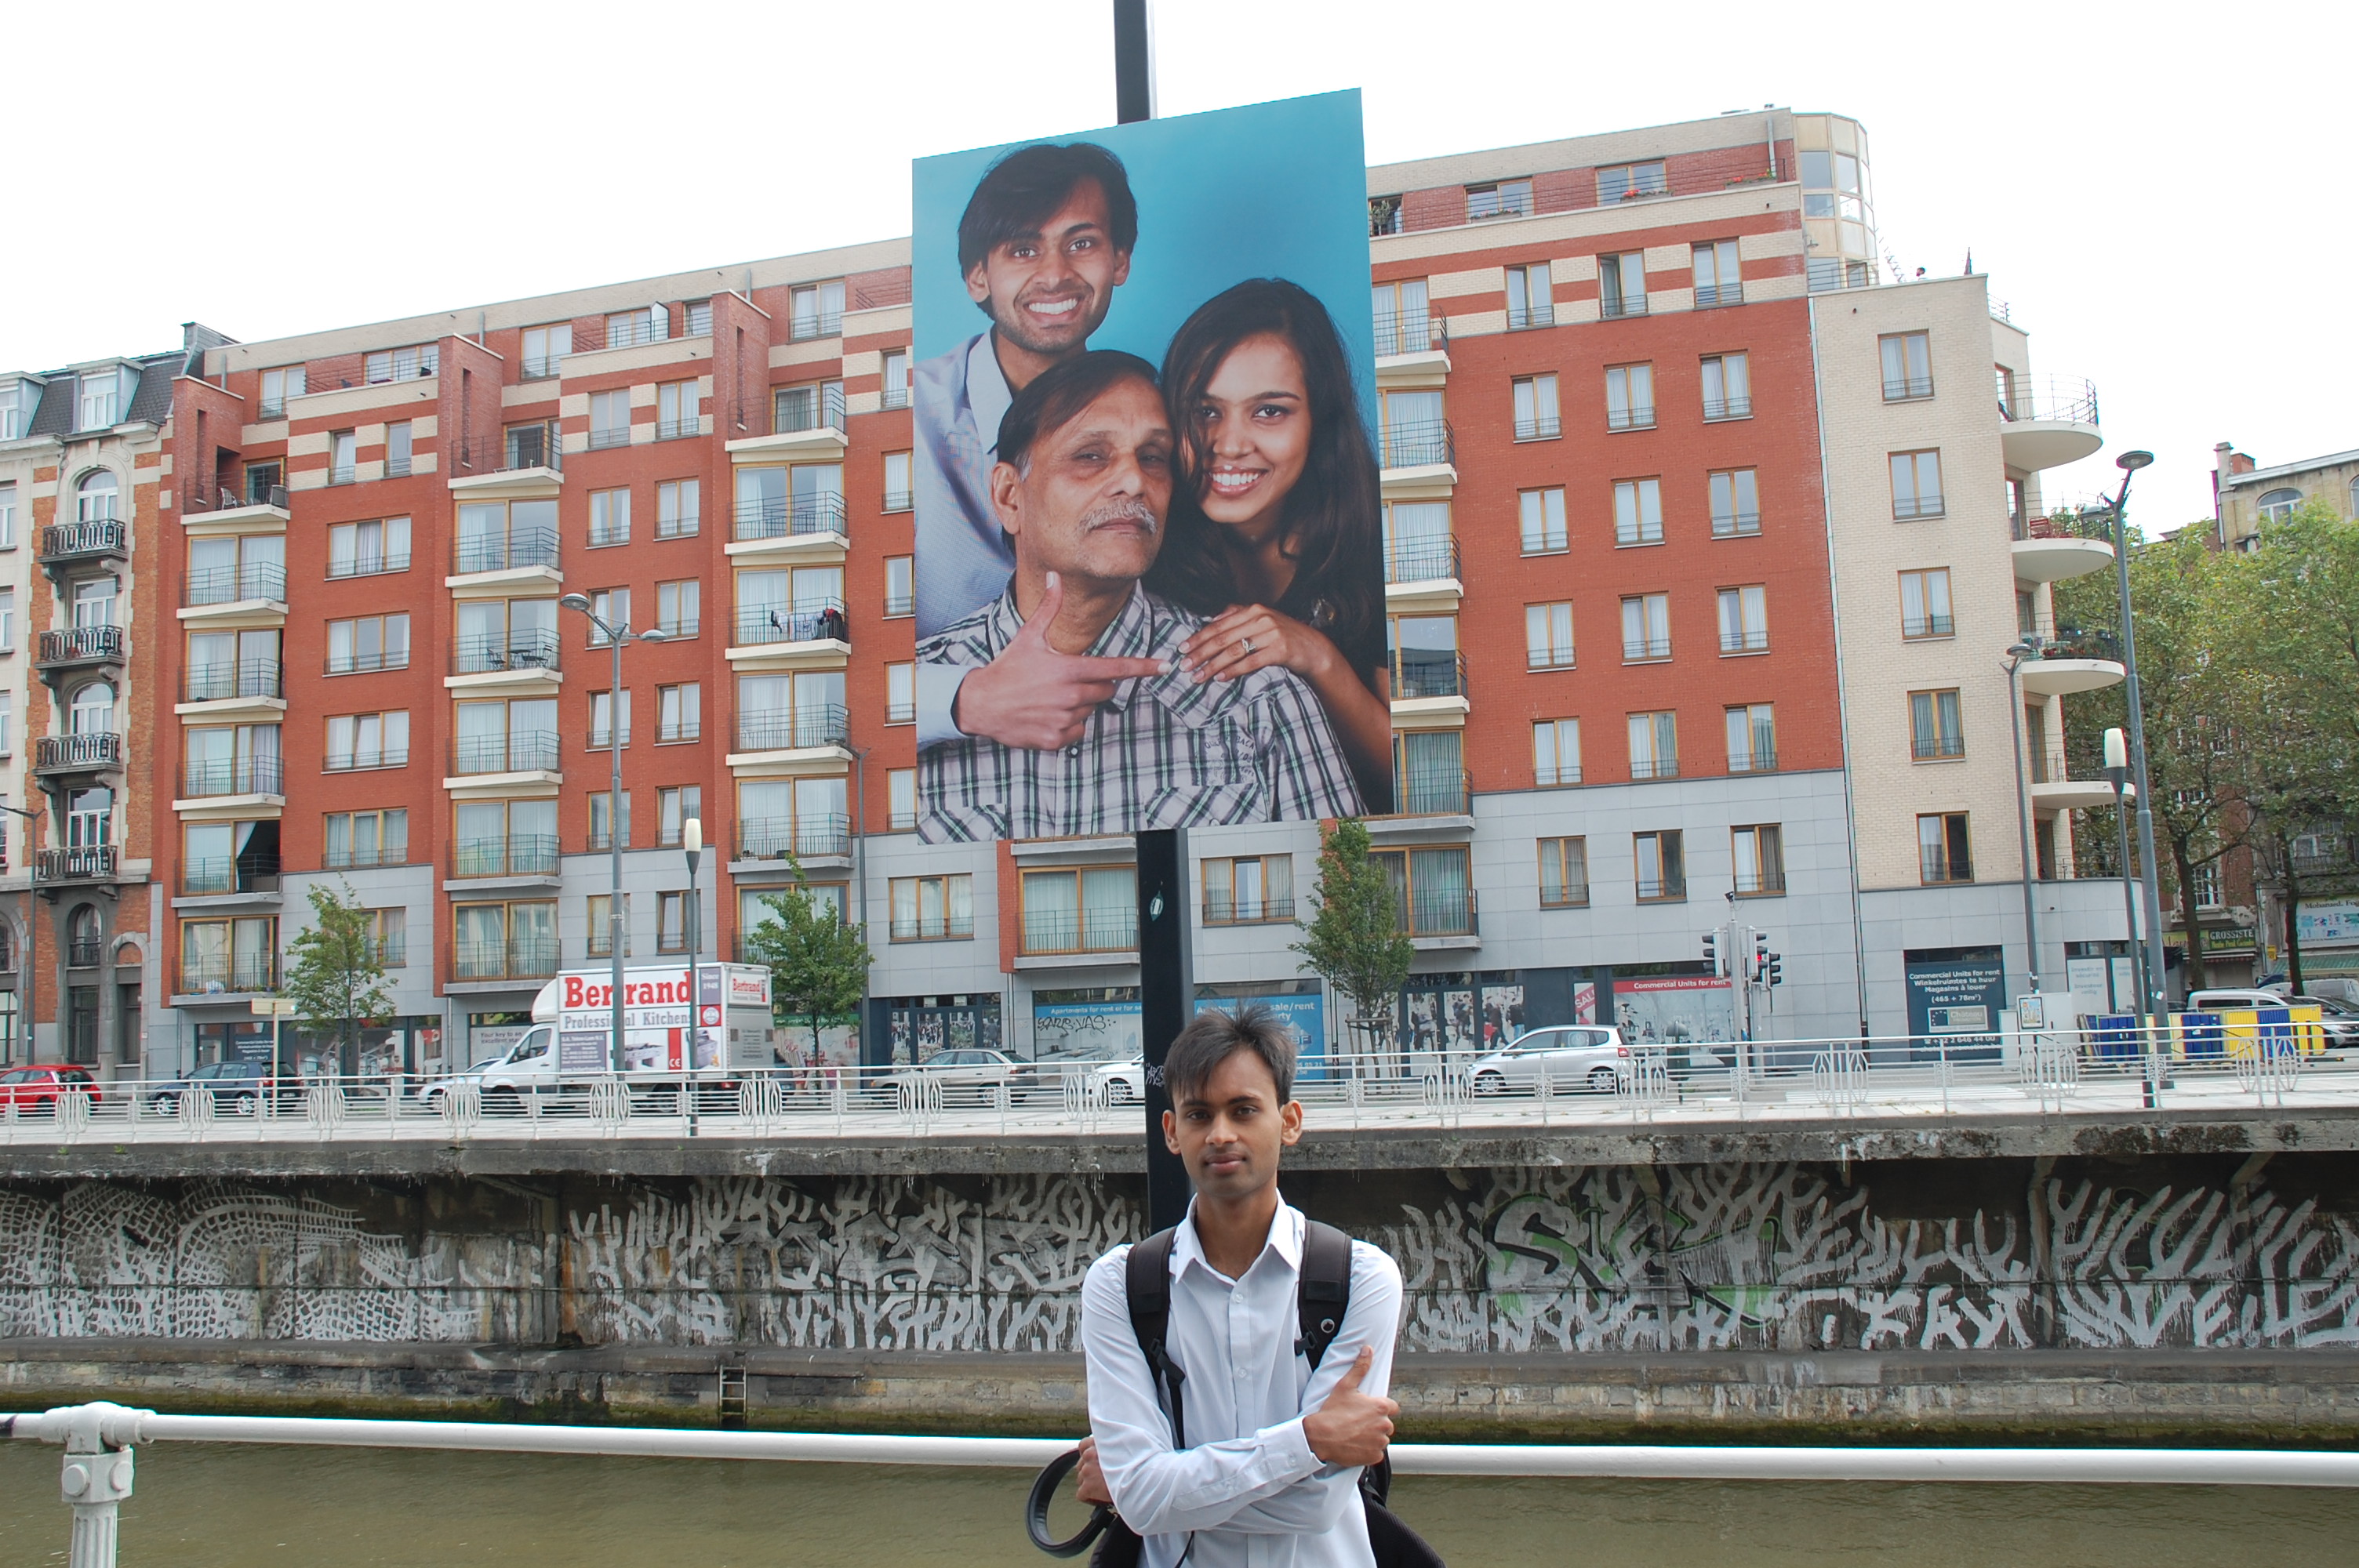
(1149,563)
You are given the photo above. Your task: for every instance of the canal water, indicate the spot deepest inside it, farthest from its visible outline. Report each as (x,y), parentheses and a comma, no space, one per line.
(200,1506)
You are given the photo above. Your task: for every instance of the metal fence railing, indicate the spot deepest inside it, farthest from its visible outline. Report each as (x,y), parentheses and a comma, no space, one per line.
(230,585)
(815,724)
(1432,558)
(781,517)
(809,622)
(79,644)
(236,678)
(1424,444)
(776,837)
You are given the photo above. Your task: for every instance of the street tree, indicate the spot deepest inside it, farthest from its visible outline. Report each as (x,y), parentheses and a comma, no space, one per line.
(335,975)
(818,963)
(1353,938)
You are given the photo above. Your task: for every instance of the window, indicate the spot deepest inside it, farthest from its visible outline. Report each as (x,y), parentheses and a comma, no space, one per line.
(1638,511)
(602,720)
(1925,603)
(678,606)
(900,694)
(2277,505)
(1432,892)
(368,643)
(2205,884)
(778,503)
(1547,636)
(504,941)
(696,317)
(1727,387)
(679,410)
(358,839)
(7,747)
(1752,738)
(675,808)
(95,496)
(601,822)
(1543,521)
(343,456)
(781,713)
(1654,746)
(531,446)
(1620,182)
(7,620)
(1907,366)
(632,329)
(1403,325)
(220,858)
(610,418)
(368,741)
(798,604)
(1744,620)
(1629,398)
(101,406)
(613,606)
(544,347)
(897,379)
(1505,199)
(900,494)
(1536,411)
(671,923)
(1719,276)
(1564,873)
(1662,866)
(405,364)
(1092,909)
(226,569)
(1529,301)
(900,586)
(599,925)
(1249,890)
(676,507)
(399,446)
(813,406)
(817,310)
(1555,752)
(92,710)
(1736,503)
(755,909)
(933,909)
(1430,773)
(1416,434)
(1645,627)
(1424,650)
(505,634)
(609,517)
(216,955)
(1915,484)
(9,515)
(1418,543)
(901,799)
(388,937)
(277,386)
(1622,285)
(1935,733)
(679,712)
(1758,853)
(1943,852)
(515,735)
(17,401)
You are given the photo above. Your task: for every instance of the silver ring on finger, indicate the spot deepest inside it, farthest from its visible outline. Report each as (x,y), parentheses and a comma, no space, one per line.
(1247,643)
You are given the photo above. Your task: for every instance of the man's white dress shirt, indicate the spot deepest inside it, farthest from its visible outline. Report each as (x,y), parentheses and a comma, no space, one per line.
(1247,1486)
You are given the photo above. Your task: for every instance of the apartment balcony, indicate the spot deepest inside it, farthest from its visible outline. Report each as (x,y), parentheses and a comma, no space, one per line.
(794,415)
(605,437)
(1415,563)
(505,652)
(1759,759)
(2045,424)
(244,593)
(220,508)
(77,646)
(1248,912)
(221,975)
(523,959)
(933,928)
(820,837)
(518,549)
(532,856)
(63,756)
(823,724)
(1426,675)
(1621,307)
(810,326)
(1448,916)
(1412,343)
(80,863)
(2054,789)
(1419,448)
(1710,296)
(760,625)
(67,547)
(1107,932)
(2053,549)
(802,516)
(523,752)
(1426,793)
(808,426)
(226,877)
(2072,660)
(244,777)
(1937,869)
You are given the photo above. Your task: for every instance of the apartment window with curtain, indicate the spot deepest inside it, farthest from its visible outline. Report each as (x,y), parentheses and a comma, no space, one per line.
(7,620)
(368,741)
(613,606)
(1504,199)
(634,329)
(901,799)
(1555,752)
(679,410)
(900,586)
(1719,276)
(816,310)
(610,418)
(1907,366)
(1758,853)
(1536,408)
(405,364)
(1403,324)
(606,820)
(101,401)
(1419,547)
(900,492)
(1915,484)
(675,808)
(677,503)
(697,317)
(1547,636)
(603,721)
(900,694)
(1416,433)
(1433,890)
(1620,182)
(1752,738)
(1430,773)
(1654,746)
(511,735)
(1944,852)
(671,923)
(1727,387)
(601,927)
(609,517)
(7,513)
(896,393)
(679,712)
(1744,620)
(1542,521)
(1924,604)
(680,607)
(1622,285)
(544,347)
(1661,860)
(400,446)
(1090,909)
(343,457)
(1249,890)
(1736,503)
(356,840)
(277,386)
(813,406)
(935,909)
(368,643)
(1645,628)
(1637,512)
(1529,301)
(1629,398)
(1935,731)
(1564,873)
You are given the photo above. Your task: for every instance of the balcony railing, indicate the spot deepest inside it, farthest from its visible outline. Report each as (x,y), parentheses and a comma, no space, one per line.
(934,928)
(1907,388)
(523,752)
(1483,205)
(244,873)
(519,959)
(1523,318)
(229,585)
(1443,676)
(526,447)
(806,622)
(1662,890)
(1433,792)
(799,411)
(671,731)
(484,651)
(1928,626)
(784,518)
(1728,407)
(1448,913)
(1621,307)
(344,473)
(80,863)
(1429,558)
(894,397)
(1935,866)
(1411,332)
(1759,759)
(809,325)
(1907,506)
(1100,931)
(1248,912)
(901,713)
(2096,525)
(232,776)
(899,501)
(680,430)
(899,604)
(223,972)
(220,498)
(1422,445)
(530,546)
(1927,748)
(1643,769)
(1729,525)
(98,538)
(821,724)
(80,645)
(1759,884)
(1543,427)
(76,753)
(1708,295)
(358,761)
(603,437)
(1644,650)
(2048,764)
(221,683)
(1755,640)
(776,837)
(368,566)
(351,859)
(2063,399)
(1636,417)
(514,855)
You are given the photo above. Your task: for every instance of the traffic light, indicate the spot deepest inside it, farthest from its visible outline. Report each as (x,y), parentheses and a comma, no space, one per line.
(1712,950)
(1760,959)
(1777,968)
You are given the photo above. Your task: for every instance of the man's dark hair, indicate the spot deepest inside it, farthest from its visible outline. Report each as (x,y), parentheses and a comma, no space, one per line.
(1060,393)
(1023,190)
(1213,1036)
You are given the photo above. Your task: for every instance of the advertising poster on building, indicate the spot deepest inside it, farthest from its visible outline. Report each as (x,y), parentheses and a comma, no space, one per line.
(1085,1031)
(2328,925)
(1304,1015)
(1954,1002)
(1675,1009)
(1144,436)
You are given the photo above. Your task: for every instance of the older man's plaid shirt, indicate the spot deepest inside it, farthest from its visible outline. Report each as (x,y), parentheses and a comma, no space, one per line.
(1163,751)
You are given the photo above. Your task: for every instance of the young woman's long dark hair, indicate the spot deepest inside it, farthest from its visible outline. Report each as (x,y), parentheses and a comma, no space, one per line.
(1334,521)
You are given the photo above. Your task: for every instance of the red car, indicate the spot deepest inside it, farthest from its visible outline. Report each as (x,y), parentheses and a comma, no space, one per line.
(36,1089)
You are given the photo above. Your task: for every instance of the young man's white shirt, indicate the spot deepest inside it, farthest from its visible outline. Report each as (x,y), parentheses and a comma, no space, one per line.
(1247,1486)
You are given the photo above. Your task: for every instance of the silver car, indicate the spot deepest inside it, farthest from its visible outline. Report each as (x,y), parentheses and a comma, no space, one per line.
(957,1078)
(1573,1058)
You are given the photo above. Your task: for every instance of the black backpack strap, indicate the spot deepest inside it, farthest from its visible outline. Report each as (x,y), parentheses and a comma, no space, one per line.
(1147,1285)
(1325,1292)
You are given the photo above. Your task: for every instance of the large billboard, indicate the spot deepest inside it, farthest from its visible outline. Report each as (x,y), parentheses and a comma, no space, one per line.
(1149,575)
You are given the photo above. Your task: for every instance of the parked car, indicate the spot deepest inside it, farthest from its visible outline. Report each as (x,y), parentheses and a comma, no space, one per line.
(34,1091)
(236,1087)
(963,1077)
(2229,997)
(1573,1058)
(1119,1083)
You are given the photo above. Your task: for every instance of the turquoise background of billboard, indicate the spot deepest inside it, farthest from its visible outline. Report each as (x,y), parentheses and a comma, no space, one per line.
(1268,190)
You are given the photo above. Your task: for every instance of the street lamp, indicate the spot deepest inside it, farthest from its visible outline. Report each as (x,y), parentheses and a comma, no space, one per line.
(692,840)
(31,1011)
(2016,654)
(2151,975)
(615,637)
(2118,770)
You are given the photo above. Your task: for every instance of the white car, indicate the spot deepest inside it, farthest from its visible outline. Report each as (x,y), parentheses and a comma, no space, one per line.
(1120,1083)
(1576,1056)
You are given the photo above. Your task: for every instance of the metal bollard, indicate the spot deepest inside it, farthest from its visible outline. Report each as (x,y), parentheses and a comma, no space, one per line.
(97,1473)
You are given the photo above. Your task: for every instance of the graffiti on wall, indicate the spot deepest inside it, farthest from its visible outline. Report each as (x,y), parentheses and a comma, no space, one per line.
(1775,1257)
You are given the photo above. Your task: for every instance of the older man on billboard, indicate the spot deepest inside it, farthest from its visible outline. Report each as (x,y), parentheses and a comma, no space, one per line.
(1082,487)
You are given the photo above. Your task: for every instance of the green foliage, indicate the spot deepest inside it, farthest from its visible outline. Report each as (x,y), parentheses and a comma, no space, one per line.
(1353,938)
(818,964)
(336,975)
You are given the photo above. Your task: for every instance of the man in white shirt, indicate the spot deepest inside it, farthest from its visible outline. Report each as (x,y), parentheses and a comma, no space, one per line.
(1269,1476)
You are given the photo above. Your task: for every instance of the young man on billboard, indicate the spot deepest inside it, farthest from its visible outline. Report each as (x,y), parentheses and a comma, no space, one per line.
(1260,1444)
(1082,489)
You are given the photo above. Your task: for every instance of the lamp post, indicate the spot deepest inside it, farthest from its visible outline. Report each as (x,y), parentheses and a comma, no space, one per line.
(2118,770)
(2150,974)
(32,1012)
(615,637)
(691,843)
(2016,653)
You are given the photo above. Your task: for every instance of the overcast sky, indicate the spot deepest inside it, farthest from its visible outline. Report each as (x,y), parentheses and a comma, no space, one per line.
(2162,195)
